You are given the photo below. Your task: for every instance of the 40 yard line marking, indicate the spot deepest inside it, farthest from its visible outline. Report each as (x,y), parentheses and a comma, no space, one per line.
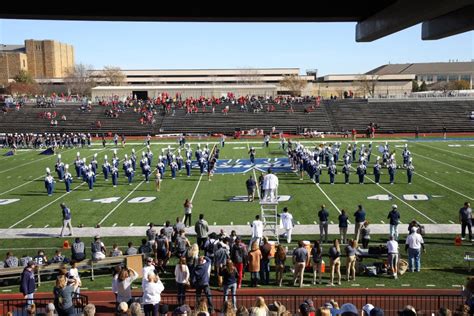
(442,185)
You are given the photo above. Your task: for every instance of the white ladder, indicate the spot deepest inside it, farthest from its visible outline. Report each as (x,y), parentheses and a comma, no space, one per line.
(269,216)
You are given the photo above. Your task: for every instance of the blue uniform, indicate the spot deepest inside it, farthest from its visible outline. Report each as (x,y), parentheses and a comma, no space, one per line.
(147,170)
(60,170)
(130,174)
(90,176)
(188,167)
(49,184)
(410,169)
(391,171)
(94,165)
(133,158)
(67,181)
(114,172)
(377,168)
(106,169)
(174,168)
(346,170)
(332,172)
(361,170)
(78,164)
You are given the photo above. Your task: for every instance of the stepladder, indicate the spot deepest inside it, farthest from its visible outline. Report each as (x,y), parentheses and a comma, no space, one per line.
(269,215)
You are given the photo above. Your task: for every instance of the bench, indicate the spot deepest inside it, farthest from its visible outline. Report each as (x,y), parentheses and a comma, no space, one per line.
(43,270)
(469,257)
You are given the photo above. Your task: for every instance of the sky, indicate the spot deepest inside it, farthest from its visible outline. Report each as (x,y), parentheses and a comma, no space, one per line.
(328,47)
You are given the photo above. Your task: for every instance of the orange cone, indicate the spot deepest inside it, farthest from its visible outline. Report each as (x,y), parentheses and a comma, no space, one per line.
(457,241)
(66,244)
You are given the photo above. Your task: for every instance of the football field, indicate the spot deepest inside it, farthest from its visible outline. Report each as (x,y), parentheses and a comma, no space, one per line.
(443,181)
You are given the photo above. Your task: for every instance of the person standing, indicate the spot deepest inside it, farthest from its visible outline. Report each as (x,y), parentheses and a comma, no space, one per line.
(335,261)
(27,282)
(49,182)
(254,258)
(359,216)
(394,217)
(323,216)
(465,217)
(152,294)
(63,294)
(392,249)
(266,250)
(300,258)
(124,285)
(188,209)
(230,275)
(201,228)
(377,168)
(257,230)
(317,258)
(200,279)
(365,234)
(413,245)
(238,255)
(351,260)
(410,169)
(270,186)
(343,224)
(181,273)
(251,185)
(66,219)
(287,223)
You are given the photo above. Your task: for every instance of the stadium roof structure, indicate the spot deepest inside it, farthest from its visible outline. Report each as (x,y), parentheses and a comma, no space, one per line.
(375,18)
(424,68)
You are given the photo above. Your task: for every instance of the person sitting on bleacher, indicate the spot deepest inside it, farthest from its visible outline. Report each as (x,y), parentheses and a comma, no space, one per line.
(98,249)
(24,260)
(41,258)
(78,250)
(11,261)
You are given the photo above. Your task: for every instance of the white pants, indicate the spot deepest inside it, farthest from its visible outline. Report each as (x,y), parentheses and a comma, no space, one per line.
(66,223)
(288,234)
(271,195)
(98,256)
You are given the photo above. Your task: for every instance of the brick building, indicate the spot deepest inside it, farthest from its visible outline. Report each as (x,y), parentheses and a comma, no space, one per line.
(42,59)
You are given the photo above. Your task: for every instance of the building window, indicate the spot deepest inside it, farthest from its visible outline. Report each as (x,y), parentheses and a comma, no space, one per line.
(453,77)
(429,78)
(441,77)
(24,64)
(466,77)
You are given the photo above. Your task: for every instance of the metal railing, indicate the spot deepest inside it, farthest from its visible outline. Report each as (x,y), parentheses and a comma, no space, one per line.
(19,306)
(390,303)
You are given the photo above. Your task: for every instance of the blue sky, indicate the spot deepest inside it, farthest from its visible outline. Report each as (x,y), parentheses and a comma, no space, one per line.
(328,47)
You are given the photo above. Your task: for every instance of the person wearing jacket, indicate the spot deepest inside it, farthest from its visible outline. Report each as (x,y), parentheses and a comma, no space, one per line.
(200,280)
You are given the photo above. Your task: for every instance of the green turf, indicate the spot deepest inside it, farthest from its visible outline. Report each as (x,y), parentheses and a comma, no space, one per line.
(442,264)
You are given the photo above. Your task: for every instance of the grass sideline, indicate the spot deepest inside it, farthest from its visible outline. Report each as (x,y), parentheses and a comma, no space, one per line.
(442,265)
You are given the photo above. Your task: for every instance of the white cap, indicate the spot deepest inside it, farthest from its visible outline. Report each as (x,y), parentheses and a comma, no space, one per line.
(59,156)
(115,151)
(367,308)
(126,156)
(78,154)
(105,157)
(378,158)
(133,150)
(95,155)
(84,159)
(48,170)
(406,145)
(394,206)
(410,159)
(66,166)
(90,166)
(147,146)
(143,154)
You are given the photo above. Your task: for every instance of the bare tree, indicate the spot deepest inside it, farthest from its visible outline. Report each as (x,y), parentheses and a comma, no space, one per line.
(366,84)
(113,76)
(249,76)
(294,83)
(79,80)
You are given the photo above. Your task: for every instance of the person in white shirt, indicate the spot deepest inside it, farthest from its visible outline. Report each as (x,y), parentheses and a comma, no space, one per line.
(147,269)
(181,273)
(392,249)
(413,245)
(124,285)
(287,223)
(74,274)
(270,186)
(257,230)
(152,294)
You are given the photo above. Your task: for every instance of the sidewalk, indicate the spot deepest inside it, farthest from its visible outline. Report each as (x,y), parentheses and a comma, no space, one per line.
(245,230)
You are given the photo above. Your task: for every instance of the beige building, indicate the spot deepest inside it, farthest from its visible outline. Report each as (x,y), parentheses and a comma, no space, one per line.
(42,59)
(359,85)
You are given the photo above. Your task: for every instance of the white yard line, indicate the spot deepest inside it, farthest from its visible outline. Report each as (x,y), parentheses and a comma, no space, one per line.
(442,185)
(34,161)
(43,207)
(120,203)
(327,197)
(19,186)
(401,200)
(451,152)
(444,163)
